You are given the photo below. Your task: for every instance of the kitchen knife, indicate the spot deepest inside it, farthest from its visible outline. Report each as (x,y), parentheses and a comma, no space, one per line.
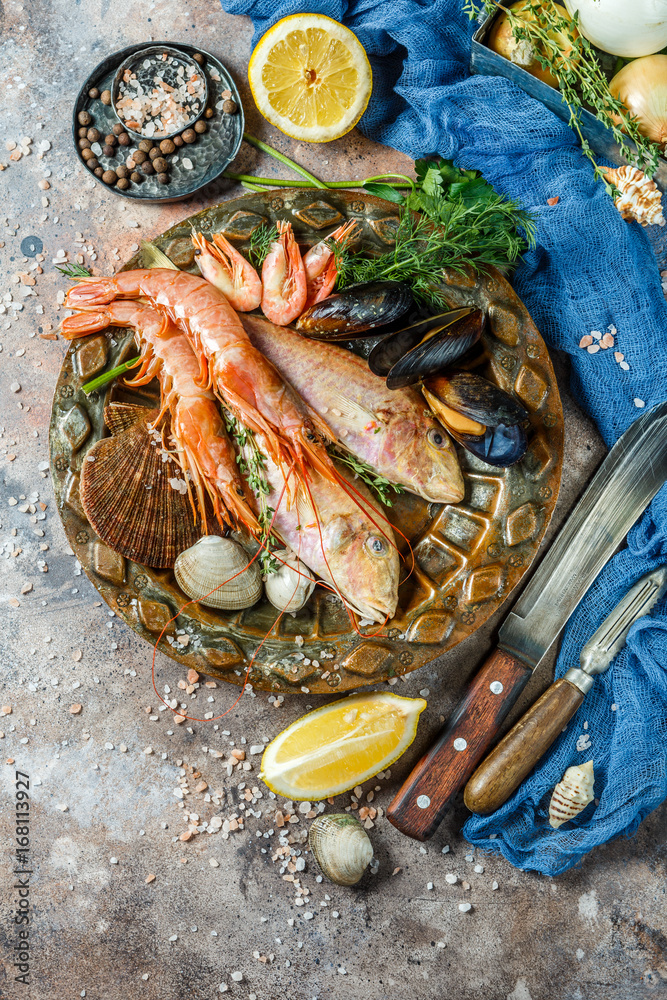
(501,773)
(626,482)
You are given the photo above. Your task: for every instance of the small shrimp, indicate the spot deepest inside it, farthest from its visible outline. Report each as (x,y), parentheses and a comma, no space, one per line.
(320,263)
(229,271)
(197,428)
(284,285)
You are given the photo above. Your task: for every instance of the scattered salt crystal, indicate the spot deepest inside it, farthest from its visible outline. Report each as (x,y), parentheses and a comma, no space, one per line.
(639,403)
(593,349)
(465,907)
(451,878)
(624,365)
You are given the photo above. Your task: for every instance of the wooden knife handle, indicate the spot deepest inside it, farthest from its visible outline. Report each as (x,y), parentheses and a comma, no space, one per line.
(519,751)
(421,802)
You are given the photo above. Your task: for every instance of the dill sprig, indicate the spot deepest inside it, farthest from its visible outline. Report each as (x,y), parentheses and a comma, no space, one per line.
(252,465)
(477,235)
(378,484)
(581,80)
(261,240)
(74,271)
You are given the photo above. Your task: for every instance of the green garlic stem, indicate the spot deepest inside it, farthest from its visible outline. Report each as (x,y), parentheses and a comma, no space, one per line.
(102,380)
(285,160)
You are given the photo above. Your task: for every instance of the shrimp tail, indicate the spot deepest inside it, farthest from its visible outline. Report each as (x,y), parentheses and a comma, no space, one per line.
(83,324)
(90,292)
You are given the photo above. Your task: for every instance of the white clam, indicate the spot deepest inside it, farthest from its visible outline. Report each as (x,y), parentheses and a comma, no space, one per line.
(572,794)
(289,588)
(217,572)
(341,847)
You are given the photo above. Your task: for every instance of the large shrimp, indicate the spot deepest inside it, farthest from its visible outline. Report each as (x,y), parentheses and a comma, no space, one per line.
(245,381)
(284,284)
(229,271)
(197,428)
(320,263)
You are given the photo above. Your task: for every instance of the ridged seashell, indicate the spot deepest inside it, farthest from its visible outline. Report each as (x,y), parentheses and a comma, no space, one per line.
(639,199)
(291,585)
(222,566)
(126,495)
(341,847)
(572,794)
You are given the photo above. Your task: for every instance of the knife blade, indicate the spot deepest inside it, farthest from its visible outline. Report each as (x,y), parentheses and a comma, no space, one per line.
(512,760)
(626,482)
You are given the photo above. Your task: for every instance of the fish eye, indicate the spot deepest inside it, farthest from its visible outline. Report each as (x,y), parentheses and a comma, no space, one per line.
(376,545)
(437,437)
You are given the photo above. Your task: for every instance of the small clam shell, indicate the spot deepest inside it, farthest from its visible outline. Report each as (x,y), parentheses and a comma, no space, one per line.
(222,566)
(289,588)
(341,847)
(572,794)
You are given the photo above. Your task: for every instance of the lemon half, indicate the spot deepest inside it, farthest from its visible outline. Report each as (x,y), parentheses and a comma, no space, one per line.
(340,745)
(310,77)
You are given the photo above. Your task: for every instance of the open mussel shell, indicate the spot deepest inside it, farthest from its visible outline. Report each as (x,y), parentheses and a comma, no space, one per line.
(438,349)
(384,355)
(356,311)
(480,416)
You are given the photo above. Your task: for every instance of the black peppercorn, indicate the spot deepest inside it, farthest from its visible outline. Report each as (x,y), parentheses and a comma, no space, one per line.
(163,178)
(93,93)
(123,183)
(136,178)
(189,135)
(145,145)
(93,134)
(84,118)
(139,156)
(167,146)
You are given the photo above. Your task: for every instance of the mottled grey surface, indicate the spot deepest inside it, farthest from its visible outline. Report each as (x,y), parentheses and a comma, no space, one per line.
(598,933)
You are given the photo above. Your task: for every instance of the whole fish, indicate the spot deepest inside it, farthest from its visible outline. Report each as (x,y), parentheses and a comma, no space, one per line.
(392,430)
(346,541)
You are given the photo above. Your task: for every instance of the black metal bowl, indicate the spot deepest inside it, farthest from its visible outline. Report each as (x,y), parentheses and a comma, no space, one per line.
(207,158)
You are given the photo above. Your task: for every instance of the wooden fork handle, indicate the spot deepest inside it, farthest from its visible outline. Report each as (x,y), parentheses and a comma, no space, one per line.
(420,805)
(518,752)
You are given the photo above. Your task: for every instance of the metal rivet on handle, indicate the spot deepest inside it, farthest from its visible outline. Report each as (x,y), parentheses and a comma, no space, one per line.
(496,687)
(460,743)
(423,801)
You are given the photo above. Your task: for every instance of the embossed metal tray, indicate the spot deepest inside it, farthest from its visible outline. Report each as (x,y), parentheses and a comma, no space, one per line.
(469,556)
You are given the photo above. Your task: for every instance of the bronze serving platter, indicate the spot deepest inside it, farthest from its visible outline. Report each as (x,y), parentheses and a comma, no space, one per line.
(468,556)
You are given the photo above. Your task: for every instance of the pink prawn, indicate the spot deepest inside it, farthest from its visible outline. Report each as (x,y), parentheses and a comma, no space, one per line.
(320,263)
(284,283)
(229,271)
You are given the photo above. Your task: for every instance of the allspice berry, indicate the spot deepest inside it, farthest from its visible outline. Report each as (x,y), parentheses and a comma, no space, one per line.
(83,132)
(93,135)
(160,165)
(84,144)
(93,93)
(84,118)
(201,127)
(110,139)
(198,58)
(209,113)
(177,140)
(135,177)
(109,150)
(145,145)
(122,170)
(99,171)
(118,128)
(230,107)
(167,146)
(154,153)
(123,139)
(87,152)
(163,178)
(92,163)
(147,168)
(109,176)
(105,97)
(123,183)
(189,135)
(139,156)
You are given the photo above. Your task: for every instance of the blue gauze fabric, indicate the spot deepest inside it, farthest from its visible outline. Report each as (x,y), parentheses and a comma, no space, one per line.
(589,269)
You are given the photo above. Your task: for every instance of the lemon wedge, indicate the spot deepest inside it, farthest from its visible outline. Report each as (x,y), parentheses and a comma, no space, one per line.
(340,745)
(310,77)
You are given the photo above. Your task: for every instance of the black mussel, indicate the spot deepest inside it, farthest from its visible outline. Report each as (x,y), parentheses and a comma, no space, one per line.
(437,350)
(356,311)
(384,355)
(481,416)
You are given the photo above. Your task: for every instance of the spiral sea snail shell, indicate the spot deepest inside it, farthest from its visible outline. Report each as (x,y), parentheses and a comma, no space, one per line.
(572,794)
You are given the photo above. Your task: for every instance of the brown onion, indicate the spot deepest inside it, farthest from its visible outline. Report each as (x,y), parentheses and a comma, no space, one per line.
(522,53)
(642,87)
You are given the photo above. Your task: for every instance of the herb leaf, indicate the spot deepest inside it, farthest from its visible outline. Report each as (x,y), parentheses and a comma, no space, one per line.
(74,271)
(378,484)
(261,240)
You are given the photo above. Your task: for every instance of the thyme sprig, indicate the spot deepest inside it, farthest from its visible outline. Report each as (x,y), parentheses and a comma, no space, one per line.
(252,465)
(378,484)
(581,80)
(477,235)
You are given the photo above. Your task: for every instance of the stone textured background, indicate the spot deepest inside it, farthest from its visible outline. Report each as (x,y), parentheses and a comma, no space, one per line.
(598,933)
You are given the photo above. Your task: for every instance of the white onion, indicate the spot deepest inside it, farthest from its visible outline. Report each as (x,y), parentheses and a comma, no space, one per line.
(642,87)
(626,28)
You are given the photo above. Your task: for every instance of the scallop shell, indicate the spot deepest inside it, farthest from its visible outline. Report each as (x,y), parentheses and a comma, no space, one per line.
(126,495)
(572,794)
(289,588)
(217,572)
(639,199)
(341,847)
